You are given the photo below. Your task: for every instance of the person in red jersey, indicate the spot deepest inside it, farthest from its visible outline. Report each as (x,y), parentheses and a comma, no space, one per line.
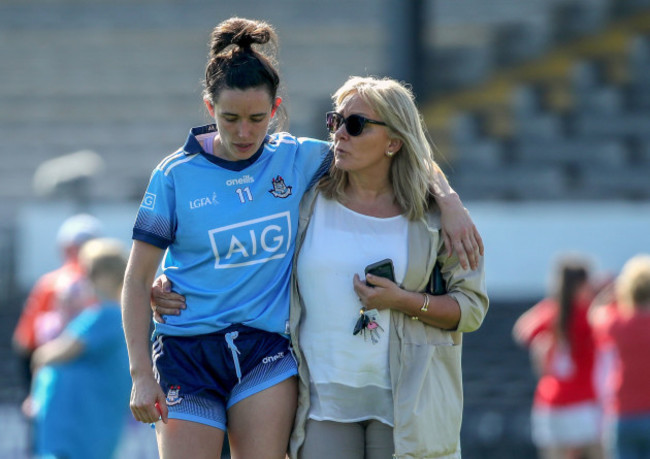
(623,326)
(566,414)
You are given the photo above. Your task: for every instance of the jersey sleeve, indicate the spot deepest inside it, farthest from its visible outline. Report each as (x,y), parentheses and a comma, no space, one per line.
(536,320)
(97,328)
(156,219)
(314,158)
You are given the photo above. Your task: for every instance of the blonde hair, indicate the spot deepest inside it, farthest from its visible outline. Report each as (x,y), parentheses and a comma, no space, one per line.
(413,166)
(104,257)
(633,284)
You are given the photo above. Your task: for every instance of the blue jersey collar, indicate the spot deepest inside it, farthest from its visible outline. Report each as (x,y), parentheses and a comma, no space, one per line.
(193,146)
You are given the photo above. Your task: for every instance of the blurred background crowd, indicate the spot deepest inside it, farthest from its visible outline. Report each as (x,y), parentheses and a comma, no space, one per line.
(540,111)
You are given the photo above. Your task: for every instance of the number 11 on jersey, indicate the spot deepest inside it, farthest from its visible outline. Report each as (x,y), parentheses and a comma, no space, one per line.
(244,194)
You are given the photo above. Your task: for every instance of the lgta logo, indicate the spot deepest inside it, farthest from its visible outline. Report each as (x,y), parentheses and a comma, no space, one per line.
(206,201)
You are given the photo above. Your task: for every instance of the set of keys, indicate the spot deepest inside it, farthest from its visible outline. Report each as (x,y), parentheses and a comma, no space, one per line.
(368,325)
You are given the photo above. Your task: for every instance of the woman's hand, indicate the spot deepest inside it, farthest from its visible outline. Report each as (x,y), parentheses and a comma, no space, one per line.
(148,403)
(459,232)
(443,310)
(164,301)
(381,294)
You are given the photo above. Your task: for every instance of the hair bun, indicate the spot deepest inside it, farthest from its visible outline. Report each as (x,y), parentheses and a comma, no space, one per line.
(240,32)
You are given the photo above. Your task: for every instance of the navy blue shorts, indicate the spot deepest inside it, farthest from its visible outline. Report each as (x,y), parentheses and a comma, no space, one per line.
(204,375)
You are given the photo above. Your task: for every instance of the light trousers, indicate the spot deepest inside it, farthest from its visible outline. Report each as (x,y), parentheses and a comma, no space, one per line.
(347,440)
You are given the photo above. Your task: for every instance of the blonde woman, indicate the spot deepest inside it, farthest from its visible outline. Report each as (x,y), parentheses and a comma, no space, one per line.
(393,387)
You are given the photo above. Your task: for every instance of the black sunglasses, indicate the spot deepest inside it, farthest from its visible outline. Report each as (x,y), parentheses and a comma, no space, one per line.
(354,124)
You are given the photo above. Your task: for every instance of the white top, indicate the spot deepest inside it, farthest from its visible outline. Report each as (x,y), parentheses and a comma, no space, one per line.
(349,373)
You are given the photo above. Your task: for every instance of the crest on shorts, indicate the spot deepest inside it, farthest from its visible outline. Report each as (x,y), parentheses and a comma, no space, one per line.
(280,189)
(172,396)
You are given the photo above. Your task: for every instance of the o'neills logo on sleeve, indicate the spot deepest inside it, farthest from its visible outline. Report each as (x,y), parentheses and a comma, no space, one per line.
(240,181)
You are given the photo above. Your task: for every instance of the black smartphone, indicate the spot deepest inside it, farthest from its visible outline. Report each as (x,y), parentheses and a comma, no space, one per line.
(383,268)
(436,282)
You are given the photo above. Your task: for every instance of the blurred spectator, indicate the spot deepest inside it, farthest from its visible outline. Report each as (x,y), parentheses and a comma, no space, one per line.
(53,301)
(71,294)
(80,394)
(566,416)
(623,326)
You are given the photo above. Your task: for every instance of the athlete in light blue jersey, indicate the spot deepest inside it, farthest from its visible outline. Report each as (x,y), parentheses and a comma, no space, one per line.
(221,215)
(228,228)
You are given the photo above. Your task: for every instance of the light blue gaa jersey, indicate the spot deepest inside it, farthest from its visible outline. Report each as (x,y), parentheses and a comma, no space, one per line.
(229,230)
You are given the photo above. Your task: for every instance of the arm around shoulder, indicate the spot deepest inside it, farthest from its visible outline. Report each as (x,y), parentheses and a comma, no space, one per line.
(458,229)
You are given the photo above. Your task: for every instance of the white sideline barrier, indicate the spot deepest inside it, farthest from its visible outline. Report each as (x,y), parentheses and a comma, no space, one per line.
(523,240)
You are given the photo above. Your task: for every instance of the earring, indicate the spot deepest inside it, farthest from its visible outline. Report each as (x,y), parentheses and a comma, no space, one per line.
(390,153)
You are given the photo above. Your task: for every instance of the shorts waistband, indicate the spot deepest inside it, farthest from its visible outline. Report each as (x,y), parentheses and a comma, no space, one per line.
(241,329)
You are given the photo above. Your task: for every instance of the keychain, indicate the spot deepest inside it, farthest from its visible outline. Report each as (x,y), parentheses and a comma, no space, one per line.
(367,323)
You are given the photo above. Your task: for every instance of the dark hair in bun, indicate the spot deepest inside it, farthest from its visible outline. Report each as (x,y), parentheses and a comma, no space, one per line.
(233,61)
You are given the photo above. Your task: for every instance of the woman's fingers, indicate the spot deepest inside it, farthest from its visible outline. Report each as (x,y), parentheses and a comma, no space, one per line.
(468,247)
(164,301)
(169,307)
(471,250)
(479,241)
(157,316)
(461,253)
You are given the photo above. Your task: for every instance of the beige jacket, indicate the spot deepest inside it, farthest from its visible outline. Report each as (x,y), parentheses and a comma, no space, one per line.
(425,362)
